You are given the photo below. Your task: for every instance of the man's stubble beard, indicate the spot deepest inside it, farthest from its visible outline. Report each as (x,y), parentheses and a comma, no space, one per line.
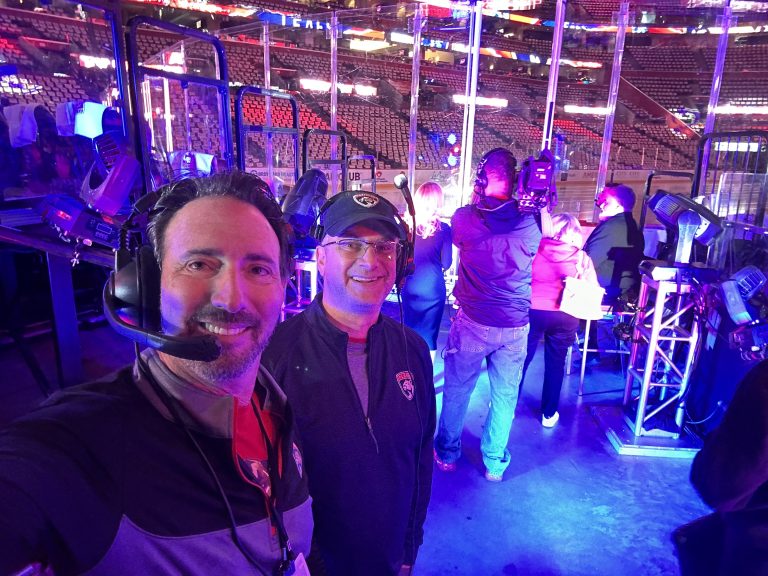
(232,364)
(234,361)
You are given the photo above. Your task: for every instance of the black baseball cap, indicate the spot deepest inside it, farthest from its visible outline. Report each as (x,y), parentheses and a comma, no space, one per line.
(354,207)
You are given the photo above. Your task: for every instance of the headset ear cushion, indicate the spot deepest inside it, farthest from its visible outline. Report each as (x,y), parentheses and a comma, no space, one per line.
(125,287)
(479,188)
(481,179)
(405,263)
(316,231)
(149,287)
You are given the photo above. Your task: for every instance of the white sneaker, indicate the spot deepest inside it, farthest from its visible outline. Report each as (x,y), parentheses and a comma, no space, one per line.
(551,421)
(493,477)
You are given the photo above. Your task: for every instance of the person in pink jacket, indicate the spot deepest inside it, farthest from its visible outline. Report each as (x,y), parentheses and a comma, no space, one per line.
(557,257)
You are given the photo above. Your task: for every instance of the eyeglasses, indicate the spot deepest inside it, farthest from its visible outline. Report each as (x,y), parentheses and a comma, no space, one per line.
(356,248)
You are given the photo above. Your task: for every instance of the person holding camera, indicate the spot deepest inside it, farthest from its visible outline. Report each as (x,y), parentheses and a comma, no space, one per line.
(497,242)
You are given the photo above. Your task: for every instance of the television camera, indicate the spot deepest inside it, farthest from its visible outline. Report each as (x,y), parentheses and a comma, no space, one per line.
(536,183)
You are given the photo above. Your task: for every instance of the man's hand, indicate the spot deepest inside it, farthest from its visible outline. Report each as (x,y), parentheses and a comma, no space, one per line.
(405,570)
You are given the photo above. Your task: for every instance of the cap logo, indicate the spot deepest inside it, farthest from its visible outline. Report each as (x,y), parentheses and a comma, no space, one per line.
(405,381)
(365,200)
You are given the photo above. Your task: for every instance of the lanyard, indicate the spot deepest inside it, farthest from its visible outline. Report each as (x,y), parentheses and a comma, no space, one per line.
(287,555)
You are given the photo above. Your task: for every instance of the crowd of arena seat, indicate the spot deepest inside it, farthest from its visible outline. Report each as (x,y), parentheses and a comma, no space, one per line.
(381,126)
(665,58)
(10,52)
(605,10)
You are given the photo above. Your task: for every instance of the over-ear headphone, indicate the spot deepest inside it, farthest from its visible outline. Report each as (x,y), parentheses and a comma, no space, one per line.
(132,296)
(481,177)
(405,265)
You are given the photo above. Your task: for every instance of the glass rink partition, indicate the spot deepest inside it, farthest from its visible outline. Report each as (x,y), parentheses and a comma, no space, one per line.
(423,89)
(101,106)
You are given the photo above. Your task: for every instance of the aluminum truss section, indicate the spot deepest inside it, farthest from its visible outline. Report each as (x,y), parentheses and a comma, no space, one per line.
(666,334)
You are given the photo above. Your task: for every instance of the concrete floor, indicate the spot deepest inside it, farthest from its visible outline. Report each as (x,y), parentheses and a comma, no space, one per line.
(568,505)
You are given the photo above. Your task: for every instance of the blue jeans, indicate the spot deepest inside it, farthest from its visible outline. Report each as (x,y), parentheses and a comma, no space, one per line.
(503,349)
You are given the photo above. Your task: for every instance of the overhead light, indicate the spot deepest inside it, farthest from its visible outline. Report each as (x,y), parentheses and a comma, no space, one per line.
(400,38)
(364,90)
(314,85)
(482,101)
(594,110)
(368,45)
(365,32)
(100,62)
(737,146)
(733,109)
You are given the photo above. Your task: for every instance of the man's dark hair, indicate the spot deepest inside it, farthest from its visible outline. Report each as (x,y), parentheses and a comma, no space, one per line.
(239,185)
(624,195)
(502,164)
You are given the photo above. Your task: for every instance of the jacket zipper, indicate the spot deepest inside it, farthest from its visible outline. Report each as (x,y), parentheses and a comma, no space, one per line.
(370,394)
(366,417)
(370,431)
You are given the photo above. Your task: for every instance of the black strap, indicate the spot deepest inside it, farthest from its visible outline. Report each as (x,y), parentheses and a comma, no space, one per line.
(274,472)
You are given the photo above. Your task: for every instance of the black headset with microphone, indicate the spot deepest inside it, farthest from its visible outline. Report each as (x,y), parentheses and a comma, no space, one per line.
(132,296)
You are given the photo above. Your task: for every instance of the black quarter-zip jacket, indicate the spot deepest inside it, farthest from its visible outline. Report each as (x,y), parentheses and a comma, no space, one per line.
(370,479)
(99,481)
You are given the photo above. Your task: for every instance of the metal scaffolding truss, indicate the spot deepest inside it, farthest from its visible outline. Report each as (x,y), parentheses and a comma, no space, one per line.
(664,345)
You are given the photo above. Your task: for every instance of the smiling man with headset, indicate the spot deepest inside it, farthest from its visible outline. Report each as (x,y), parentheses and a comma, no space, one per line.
(497,242)
(361,388)
(186,462)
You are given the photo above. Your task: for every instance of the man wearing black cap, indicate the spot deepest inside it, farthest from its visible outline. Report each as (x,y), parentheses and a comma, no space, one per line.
(362,391)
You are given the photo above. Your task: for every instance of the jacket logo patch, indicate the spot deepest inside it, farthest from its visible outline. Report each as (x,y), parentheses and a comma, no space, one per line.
(299,461)
(405,381)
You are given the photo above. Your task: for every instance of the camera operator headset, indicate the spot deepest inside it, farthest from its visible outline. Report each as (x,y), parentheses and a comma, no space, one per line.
(132,307)
(404,267)
(535,189)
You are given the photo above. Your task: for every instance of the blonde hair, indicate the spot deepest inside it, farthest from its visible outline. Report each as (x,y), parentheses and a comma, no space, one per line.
(429,201)
(564,223)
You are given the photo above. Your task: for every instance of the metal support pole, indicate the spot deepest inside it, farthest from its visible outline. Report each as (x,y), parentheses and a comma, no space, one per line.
(650,360)
(419,19)
(554,73)
(717,81)
(334,99)
(270,158)
(634,351)
(468,127)
(115,18)
(613,94)
(67,338)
